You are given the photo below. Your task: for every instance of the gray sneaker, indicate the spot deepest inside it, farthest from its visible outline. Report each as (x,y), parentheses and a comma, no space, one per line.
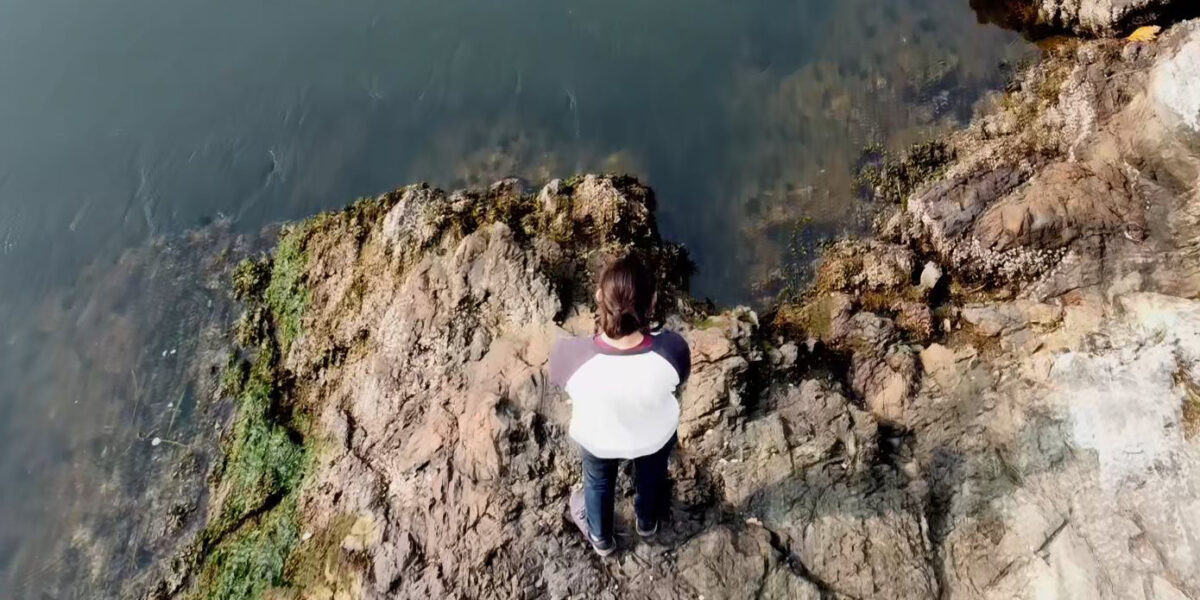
(647,530)
(577,508)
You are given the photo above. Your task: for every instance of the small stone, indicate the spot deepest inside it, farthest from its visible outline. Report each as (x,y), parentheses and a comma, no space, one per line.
(548,197)
(914,317)
(1133,51)
(790,354)
(930,276)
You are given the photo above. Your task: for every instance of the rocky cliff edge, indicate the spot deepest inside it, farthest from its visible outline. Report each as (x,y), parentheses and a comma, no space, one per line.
(997,397)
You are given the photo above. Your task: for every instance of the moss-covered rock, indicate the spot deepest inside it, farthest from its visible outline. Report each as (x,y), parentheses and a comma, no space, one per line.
(891,178)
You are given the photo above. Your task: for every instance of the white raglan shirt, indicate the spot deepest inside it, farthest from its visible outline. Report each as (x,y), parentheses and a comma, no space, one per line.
(623,401)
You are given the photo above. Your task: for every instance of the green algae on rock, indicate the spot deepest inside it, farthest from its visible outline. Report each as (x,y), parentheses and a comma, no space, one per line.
(892,177)
(253,524)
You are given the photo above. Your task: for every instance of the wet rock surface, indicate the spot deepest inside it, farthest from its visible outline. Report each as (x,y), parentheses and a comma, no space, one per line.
(996,398)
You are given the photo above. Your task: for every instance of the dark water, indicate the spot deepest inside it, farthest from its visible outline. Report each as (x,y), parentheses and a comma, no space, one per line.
(127,120)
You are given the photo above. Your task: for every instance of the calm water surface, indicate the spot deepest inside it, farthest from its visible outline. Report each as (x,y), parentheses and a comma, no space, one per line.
(129,120)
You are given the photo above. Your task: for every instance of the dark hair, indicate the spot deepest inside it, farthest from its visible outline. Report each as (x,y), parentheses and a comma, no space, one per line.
(625,297)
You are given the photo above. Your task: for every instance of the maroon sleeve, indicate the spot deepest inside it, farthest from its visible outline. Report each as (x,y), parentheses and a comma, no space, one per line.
(566,358)
(674,348)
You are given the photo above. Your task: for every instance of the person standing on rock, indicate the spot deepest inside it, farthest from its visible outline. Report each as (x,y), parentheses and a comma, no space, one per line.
(622,384)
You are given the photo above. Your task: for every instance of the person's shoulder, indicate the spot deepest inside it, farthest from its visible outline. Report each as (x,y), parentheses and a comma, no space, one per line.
(670,338)
(573,342)
(672,344)
(572,346)
(673,348)
(567,355)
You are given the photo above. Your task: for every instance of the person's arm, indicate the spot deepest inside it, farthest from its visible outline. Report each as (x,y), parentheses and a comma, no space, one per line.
(566,357)
(686,371)
(675,350)
(556,364)
(685,361)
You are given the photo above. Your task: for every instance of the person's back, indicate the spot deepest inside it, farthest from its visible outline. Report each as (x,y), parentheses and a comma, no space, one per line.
(622,383)
(623,400)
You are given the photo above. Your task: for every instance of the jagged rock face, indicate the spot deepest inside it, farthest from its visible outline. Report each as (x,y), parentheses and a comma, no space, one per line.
(1074,472)
(1088,17)
(962,468)
(446,444)
(1050,427)
(1063,177)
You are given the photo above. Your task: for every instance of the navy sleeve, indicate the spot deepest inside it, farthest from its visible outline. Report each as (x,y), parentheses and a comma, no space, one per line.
(674,348)
(566,357)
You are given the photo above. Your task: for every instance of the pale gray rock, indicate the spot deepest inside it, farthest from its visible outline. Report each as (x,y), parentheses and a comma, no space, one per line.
(930,276)
(1175,84)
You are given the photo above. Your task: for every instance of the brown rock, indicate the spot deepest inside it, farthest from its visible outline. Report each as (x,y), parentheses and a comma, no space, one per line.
(728,564)
(864,265)
(914,317)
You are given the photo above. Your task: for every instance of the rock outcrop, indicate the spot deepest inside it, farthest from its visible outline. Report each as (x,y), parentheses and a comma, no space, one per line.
(408,338)
(997,398)
(1051,415)
(1086,17)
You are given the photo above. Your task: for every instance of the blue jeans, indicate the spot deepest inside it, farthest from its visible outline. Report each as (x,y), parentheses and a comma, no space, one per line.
(600,485)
